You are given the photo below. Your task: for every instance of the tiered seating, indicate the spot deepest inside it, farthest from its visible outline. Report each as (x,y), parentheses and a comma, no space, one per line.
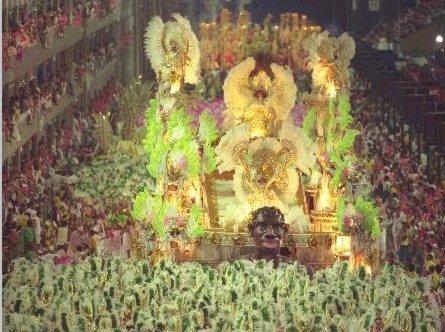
(422,111)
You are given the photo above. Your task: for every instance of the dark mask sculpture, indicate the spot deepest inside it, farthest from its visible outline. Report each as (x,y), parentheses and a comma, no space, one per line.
(267,230)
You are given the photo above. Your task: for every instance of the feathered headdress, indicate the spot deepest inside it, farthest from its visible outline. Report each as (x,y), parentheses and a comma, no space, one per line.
(173,51)
(256,82)
(329,59)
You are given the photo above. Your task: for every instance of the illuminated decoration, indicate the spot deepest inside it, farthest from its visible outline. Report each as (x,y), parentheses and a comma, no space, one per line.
(173,51)
(102,132)
(227,42)
(339,192)
(329,59)
(262,159)
(179,152)
(343,245)
(131,100)
(266,152)
(324,197)
(260,94)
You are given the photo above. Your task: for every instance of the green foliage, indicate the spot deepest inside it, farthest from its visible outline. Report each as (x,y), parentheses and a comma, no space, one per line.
(140,206)
(207,132)
(154,143)
(336,177)
(370,215)
(158,209)
(346,142)
(28,255)
(194,227)
(117,218)
(309,122)
(368,321)
(174,143)
(182,143)
(28,234)
(209,159)
(178,126)
(341,209)
(344,108)
(339,146)
(339,139)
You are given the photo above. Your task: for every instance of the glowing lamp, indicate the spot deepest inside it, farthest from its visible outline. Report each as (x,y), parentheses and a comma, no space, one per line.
(368,269)
(324,197)
(439,39)
(344,245)
(176,85)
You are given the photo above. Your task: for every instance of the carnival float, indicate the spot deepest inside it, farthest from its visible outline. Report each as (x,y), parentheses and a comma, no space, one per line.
(196,176)
(209,181)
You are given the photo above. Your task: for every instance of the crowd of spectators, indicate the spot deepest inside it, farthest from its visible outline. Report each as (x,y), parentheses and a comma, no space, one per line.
(430,73)
(409,21)
(33,101)
(42,216)
(102,100)
(96,60)
(27,27)
(412,206)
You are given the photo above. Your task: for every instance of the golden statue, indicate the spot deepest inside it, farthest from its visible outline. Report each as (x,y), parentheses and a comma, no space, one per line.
(259,93)
(174,52)
(266,152)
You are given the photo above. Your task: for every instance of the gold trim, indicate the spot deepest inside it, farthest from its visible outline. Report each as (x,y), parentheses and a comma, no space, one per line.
(218,237)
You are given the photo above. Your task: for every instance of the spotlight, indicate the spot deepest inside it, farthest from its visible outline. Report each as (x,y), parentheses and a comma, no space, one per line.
(439,39)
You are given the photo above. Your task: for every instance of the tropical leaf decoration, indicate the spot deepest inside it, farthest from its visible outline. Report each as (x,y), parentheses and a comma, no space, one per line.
(338,171)
(209,159)
(188,151)
(141,206)
(341,209)
(330,122)
(370,213)
(208,132)
(345,118)
(179,125)
(173,143)
(158,209)
(155,145)
(345,143)
(309,122)
(194,227)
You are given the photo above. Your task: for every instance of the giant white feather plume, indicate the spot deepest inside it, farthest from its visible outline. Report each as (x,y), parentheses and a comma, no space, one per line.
(305,146)
(159,37)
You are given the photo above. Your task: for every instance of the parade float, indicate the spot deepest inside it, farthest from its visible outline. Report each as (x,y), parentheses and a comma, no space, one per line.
(201,184)
(209,181)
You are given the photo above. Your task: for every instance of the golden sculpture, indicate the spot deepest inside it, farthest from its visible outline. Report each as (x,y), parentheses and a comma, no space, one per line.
(329,60)
(260,94)
(174,52)
(266,152)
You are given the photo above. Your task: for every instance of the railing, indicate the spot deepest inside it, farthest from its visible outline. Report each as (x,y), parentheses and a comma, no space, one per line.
(36,55)
(391,15)
(421,111)
(37,124)
(27,131)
